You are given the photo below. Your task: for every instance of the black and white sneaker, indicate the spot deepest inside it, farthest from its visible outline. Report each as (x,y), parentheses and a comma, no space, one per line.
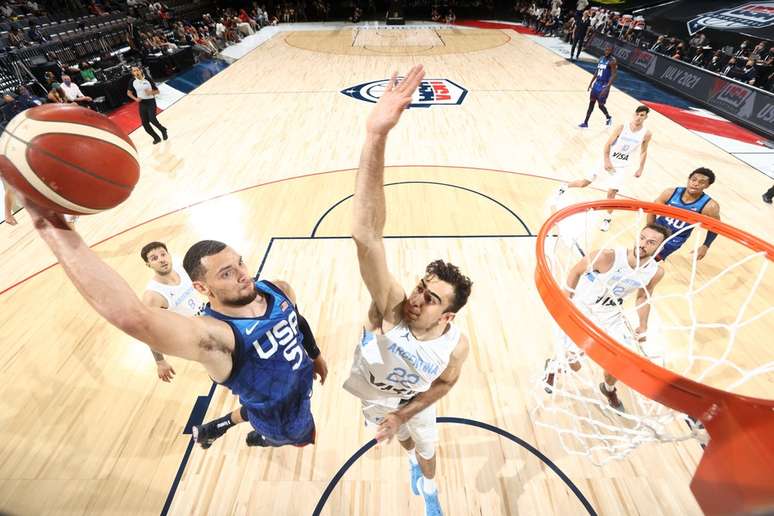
(255,439)
(207,433)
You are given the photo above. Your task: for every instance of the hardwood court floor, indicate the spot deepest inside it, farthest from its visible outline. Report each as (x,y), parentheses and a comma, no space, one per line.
(87,428)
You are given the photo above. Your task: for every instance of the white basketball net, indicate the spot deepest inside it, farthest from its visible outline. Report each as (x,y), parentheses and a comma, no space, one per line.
(678,337)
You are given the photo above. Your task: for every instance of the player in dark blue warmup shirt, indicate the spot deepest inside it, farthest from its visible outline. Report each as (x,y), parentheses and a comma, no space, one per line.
(692,198)
(607,71)
(252,339)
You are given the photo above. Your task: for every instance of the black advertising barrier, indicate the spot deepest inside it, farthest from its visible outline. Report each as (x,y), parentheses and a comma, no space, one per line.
(750,106)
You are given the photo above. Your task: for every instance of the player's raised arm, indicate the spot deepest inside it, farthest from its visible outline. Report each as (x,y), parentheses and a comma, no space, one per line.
(369,205)
(109,294)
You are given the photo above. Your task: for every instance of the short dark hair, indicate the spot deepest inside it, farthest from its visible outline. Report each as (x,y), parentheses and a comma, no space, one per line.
(660,228)
(147,248)
(192,263)
(704,171)
(641,108)
(449,273)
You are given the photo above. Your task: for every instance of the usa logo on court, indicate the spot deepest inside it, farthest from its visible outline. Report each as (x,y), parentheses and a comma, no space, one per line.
(754,15)
(431,92)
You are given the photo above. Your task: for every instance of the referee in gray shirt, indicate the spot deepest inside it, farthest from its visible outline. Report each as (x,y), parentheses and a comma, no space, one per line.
(144,92)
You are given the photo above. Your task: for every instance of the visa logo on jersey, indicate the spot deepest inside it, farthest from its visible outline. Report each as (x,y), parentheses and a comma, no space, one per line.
(431,92)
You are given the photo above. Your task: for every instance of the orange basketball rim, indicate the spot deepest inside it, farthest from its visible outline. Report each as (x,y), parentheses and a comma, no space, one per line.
(736,472)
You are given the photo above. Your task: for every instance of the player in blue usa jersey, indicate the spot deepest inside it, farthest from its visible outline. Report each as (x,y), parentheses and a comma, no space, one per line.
(692,198)
(251,340)
(607,71)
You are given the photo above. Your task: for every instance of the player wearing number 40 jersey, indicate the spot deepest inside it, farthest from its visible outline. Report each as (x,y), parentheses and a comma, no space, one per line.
(411,352)
(598,285)
(692,198)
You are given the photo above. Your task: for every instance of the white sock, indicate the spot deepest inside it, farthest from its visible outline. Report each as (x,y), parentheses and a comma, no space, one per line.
(428,486)
(412,456)
(608,387)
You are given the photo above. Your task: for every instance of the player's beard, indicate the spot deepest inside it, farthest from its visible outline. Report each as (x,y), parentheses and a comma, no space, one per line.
(641,254)
(242,300)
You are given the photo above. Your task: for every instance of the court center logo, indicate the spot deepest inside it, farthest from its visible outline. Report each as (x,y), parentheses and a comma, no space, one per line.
(431,92)
(754,15)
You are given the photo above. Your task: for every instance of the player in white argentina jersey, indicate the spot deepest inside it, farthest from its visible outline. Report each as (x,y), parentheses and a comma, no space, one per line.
(411,352)
(171,289)
(618,158)
(598,284)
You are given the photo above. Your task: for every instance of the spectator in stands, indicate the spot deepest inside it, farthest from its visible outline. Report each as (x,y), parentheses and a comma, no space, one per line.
(33,8)
(435,15)
(671,46)
(744,49)
(96,9)
(698,41)
(702,56)
(581,5)
(6,10)
(242,27)
(34,33)
(716,63)
(679,52)
(748,74)
(729,69)
(245,18)
(261,16)
(55,92)
(87,72)
(26,99)
(660,46)
(16,37)
(73,93)
(10,108)
(451,17)
(759,52)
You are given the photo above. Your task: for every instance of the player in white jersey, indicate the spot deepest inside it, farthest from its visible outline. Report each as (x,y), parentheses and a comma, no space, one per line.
(171,289)
(598,284)
(618,157)
(411,352)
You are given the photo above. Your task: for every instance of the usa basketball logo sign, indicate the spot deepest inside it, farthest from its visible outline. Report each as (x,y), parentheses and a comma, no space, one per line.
(431,92)
(755,15)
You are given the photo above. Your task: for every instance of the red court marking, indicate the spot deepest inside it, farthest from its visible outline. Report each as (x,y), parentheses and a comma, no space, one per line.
(495,25)
(7,289)
(127,117)
(703,124)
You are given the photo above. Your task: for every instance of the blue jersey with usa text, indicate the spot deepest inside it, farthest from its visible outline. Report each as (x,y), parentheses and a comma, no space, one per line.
(272,374)
(676,225)
(603,73)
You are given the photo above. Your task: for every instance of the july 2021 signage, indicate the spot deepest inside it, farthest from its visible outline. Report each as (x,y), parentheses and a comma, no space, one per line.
(738,101)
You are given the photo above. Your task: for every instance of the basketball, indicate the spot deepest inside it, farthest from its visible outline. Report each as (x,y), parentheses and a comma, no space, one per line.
(68,159)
